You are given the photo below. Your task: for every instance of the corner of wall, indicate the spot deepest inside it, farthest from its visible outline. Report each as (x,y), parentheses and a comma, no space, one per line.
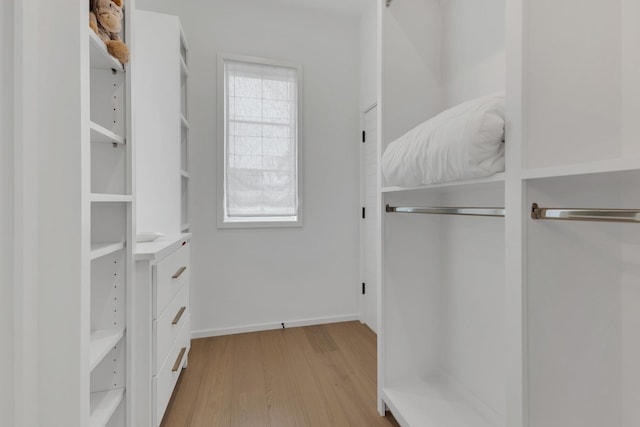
(7,333)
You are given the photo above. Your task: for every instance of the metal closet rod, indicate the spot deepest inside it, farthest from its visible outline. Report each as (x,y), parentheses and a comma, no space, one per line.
(606,215)
(441,210)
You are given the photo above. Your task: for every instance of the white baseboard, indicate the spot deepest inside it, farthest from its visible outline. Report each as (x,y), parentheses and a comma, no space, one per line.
(268,326)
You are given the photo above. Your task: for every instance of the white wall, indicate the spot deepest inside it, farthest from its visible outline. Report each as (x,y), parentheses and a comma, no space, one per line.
(6,213)
(266,276)
(369,56)
(473,49)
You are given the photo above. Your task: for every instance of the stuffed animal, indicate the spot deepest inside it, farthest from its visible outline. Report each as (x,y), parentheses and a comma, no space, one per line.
(105,18)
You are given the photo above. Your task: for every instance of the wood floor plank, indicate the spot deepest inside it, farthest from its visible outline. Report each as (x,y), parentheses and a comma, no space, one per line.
(183,401)
(319,339)
(248,397)
(319,376)
(359,354)
(352,394)
(286,408)
(316,386)
(213,402)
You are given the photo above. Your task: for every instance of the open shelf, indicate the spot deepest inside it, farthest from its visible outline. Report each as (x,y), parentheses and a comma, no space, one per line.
(183,120)
(102,341)
(432,404)
(498,177)
(97,197)
(99,250)
(613,165)
(103,135)
(184,46)
(103,405)
(100,57)
(183,67)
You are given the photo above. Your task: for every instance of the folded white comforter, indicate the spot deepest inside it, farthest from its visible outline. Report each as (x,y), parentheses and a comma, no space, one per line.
(464,142)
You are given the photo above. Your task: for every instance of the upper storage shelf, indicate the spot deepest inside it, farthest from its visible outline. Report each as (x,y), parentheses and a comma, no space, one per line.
(100,57)
(604,166)
(496,178)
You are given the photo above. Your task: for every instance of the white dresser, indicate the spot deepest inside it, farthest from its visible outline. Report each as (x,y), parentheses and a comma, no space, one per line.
(160,331)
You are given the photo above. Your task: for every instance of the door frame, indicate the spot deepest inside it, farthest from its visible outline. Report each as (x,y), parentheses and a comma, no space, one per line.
(362,298)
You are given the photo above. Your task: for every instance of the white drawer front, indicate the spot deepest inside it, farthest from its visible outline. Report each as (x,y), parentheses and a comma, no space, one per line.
(168,326)
(168,277)
(166,379)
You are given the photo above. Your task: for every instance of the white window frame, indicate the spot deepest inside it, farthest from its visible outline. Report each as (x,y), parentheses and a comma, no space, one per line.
(223,221)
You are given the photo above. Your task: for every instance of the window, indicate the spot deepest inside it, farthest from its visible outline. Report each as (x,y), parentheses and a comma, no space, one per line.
(259,142)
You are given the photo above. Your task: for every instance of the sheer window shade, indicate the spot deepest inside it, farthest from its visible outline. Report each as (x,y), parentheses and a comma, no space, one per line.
(261,135)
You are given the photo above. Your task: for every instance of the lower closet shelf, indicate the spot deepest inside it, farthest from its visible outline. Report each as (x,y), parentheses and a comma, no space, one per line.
(102,340)
(432,404)
(103,405)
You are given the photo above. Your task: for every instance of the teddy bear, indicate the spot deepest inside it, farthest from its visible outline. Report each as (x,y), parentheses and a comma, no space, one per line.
(105,18)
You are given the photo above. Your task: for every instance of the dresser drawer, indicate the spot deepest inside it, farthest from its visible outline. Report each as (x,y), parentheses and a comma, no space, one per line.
(168,326)
(168,277)
(165,381)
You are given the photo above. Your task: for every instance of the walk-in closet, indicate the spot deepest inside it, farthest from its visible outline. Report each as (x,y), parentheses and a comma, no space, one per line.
(237,213)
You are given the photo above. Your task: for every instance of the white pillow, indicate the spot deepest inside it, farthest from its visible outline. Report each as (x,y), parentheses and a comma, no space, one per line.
(464,142)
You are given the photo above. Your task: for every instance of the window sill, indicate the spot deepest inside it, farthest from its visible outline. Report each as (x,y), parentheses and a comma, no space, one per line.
(286,223)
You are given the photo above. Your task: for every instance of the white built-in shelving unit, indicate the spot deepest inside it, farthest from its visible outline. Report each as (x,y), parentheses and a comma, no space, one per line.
(161,312)
(184,135)
(442,343)
(513,321)
(163,174)
(161,318)
(110,200)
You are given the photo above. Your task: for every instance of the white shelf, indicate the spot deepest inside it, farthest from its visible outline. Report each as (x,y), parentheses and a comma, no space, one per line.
(96,197)
(183,40)
(99,250)
(183,120)
(103,405)
(160,247)
(433,404)
(102,341)
(100,57)
(495,178)
(185,174)
(101,134)
(604,166)
(183,66)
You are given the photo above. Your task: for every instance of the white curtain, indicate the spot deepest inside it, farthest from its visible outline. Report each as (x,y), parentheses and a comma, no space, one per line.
(260,140)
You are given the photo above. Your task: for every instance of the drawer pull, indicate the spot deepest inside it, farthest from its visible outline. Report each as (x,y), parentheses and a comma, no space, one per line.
(179,359)
(179,272)
(178,316)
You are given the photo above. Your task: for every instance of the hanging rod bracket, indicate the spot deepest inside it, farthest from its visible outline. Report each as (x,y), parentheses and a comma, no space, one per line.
(535,211)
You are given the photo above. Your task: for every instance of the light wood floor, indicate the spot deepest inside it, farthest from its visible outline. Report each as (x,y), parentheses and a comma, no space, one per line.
(313,376)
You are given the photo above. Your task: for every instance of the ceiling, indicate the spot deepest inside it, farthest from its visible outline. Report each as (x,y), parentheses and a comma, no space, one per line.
(346,7)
